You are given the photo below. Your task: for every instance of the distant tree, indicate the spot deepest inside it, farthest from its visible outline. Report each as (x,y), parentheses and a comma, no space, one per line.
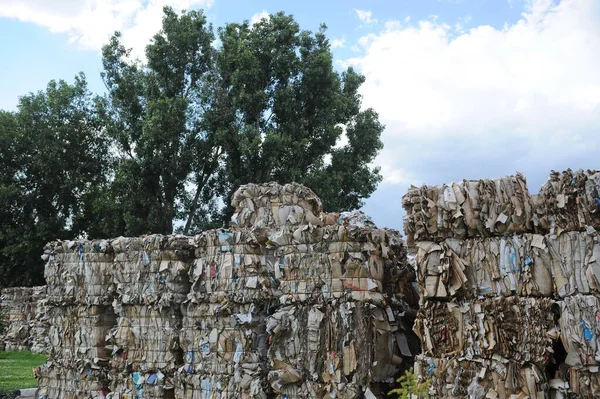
(195,121)
(52,156)
(286,108)
(154,112)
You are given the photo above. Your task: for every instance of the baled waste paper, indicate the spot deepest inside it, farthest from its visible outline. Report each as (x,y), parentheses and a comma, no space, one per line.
(288,302)
(509,286)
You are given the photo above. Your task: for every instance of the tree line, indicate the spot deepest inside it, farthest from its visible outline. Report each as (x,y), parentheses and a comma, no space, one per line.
(163,149)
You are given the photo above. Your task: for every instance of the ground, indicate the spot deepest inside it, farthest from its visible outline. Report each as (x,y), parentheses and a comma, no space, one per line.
(16,370)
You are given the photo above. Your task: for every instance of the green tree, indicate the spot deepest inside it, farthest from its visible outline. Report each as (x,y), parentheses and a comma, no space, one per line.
(195,121)
(287,108)
(154,111)
(52,155)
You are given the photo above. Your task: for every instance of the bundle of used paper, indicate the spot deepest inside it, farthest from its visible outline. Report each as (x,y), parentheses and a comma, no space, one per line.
(471,208)
(527,264)
(302,264)
(273,205)
(490,328)
(152,270)
(229,267)
(16,307)
(344,346)
(569,201)
(39,325)
(224,339)
(145,338)
(71,383)
(79,272)
(77,335)
(194,317)
(454,378)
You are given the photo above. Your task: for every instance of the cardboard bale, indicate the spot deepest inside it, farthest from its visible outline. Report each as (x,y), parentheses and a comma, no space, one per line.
(66,383)
(350,344)
(16,307)
(224,339)
(468,209)
(455,378)
(497,266)
(38,340)
(145,338)
(304,264)
(580,329)
(229,266)
(272,205)
(77,335)
(526,265)
(517,328)
(79,272)
(152,270)
(569,201)
(576,262)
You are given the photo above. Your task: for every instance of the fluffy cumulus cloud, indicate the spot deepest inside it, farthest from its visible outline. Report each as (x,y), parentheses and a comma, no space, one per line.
(485,102)
(90,23)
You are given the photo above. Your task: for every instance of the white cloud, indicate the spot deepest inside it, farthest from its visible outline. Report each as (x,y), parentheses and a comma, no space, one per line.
(338,43)
(259,16)
(90,23)
(487,102)
(365,16)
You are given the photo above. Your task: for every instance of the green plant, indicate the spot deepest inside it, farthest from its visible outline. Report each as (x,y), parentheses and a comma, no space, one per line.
(410,386)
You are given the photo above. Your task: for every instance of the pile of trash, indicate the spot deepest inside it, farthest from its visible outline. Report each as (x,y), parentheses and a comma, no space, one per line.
(509,284)
(19,326)
(289,302)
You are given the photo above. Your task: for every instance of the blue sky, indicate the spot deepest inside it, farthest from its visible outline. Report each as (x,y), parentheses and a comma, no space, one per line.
(466,88)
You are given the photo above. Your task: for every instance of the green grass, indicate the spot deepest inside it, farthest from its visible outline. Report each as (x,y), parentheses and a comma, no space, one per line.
(16,370)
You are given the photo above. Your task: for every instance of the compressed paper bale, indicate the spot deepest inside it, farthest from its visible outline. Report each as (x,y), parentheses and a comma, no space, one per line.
(349,343)
(228,266)
(480,208)
(295,265)
(497,266)
(580,330)
(274,205)
(322,264)
(569,201)
(79,272)
(38,339)
(16,306)
(219,386)
(77,334)
(145,338)
(58,382)
(514,328)
(152,270)
(452,378)
(224,339)
(577,262)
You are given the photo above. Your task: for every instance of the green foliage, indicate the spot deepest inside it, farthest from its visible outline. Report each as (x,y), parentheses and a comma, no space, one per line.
(287,109)
(410,387)
(16,370)
(52,155)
